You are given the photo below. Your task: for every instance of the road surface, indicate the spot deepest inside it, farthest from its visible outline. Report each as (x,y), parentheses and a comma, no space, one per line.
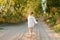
(15,32)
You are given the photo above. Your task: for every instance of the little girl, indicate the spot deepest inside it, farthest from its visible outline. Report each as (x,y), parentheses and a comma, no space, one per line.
(31,22)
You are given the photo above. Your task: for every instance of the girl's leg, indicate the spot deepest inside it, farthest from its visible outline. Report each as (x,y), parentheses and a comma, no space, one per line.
(30,30)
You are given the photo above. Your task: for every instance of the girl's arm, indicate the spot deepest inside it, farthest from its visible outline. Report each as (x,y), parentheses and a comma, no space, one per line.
(35,20)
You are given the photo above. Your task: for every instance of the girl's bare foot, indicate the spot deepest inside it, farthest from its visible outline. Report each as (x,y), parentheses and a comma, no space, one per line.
(29,35)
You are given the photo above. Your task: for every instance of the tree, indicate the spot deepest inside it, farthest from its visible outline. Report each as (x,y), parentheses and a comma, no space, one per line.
(54,3)
(16,10)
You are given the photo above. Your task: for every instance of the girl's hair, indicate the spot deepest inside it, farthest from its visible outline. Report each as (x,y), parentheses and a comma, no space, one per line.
(31,12)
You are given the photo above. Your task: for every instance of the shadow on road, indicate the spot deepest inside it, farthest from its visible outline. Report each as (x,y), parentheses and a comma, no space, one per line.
(11,24)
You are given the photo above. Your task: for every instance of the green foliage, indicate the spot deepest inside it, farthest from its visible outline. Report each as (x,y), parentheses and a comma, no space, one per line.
(34,5)
(50,18)
(52,21)
(14,11)
(54,3)
(57,28)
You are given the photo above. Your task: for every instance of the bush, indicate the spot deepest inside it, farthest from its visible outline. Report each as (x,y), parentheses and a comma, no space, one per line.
(57,28)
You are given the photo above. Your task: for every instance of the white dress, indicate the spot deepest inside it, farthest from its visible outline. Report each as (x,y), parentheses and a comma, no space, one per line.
(31,21)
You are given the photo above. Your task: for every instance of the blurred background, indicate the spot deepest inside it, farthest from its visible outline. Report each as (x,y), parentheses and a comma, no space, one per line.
(16,11)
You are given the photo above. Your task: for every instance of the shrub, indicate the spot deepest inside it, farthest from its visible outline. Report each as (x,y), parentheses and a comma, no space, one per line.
(57,28)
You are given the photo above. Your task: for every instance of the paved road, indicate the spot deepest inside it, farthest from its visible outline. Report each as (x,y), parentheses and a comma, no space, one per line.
(14,31)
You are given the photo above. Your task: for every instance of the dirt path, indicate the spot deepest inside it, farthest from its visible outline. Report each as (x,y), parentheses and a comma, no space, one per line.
(15,32)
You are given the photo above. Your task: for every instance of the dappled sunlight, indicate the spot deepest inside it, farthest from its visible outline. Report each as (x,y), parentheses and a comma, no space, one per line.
(25,36)
(54,35)
(14,14)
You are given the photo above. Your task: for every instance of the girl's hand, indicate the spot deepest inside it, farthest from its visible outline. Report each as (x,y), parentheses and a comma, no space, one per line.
(36,23)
